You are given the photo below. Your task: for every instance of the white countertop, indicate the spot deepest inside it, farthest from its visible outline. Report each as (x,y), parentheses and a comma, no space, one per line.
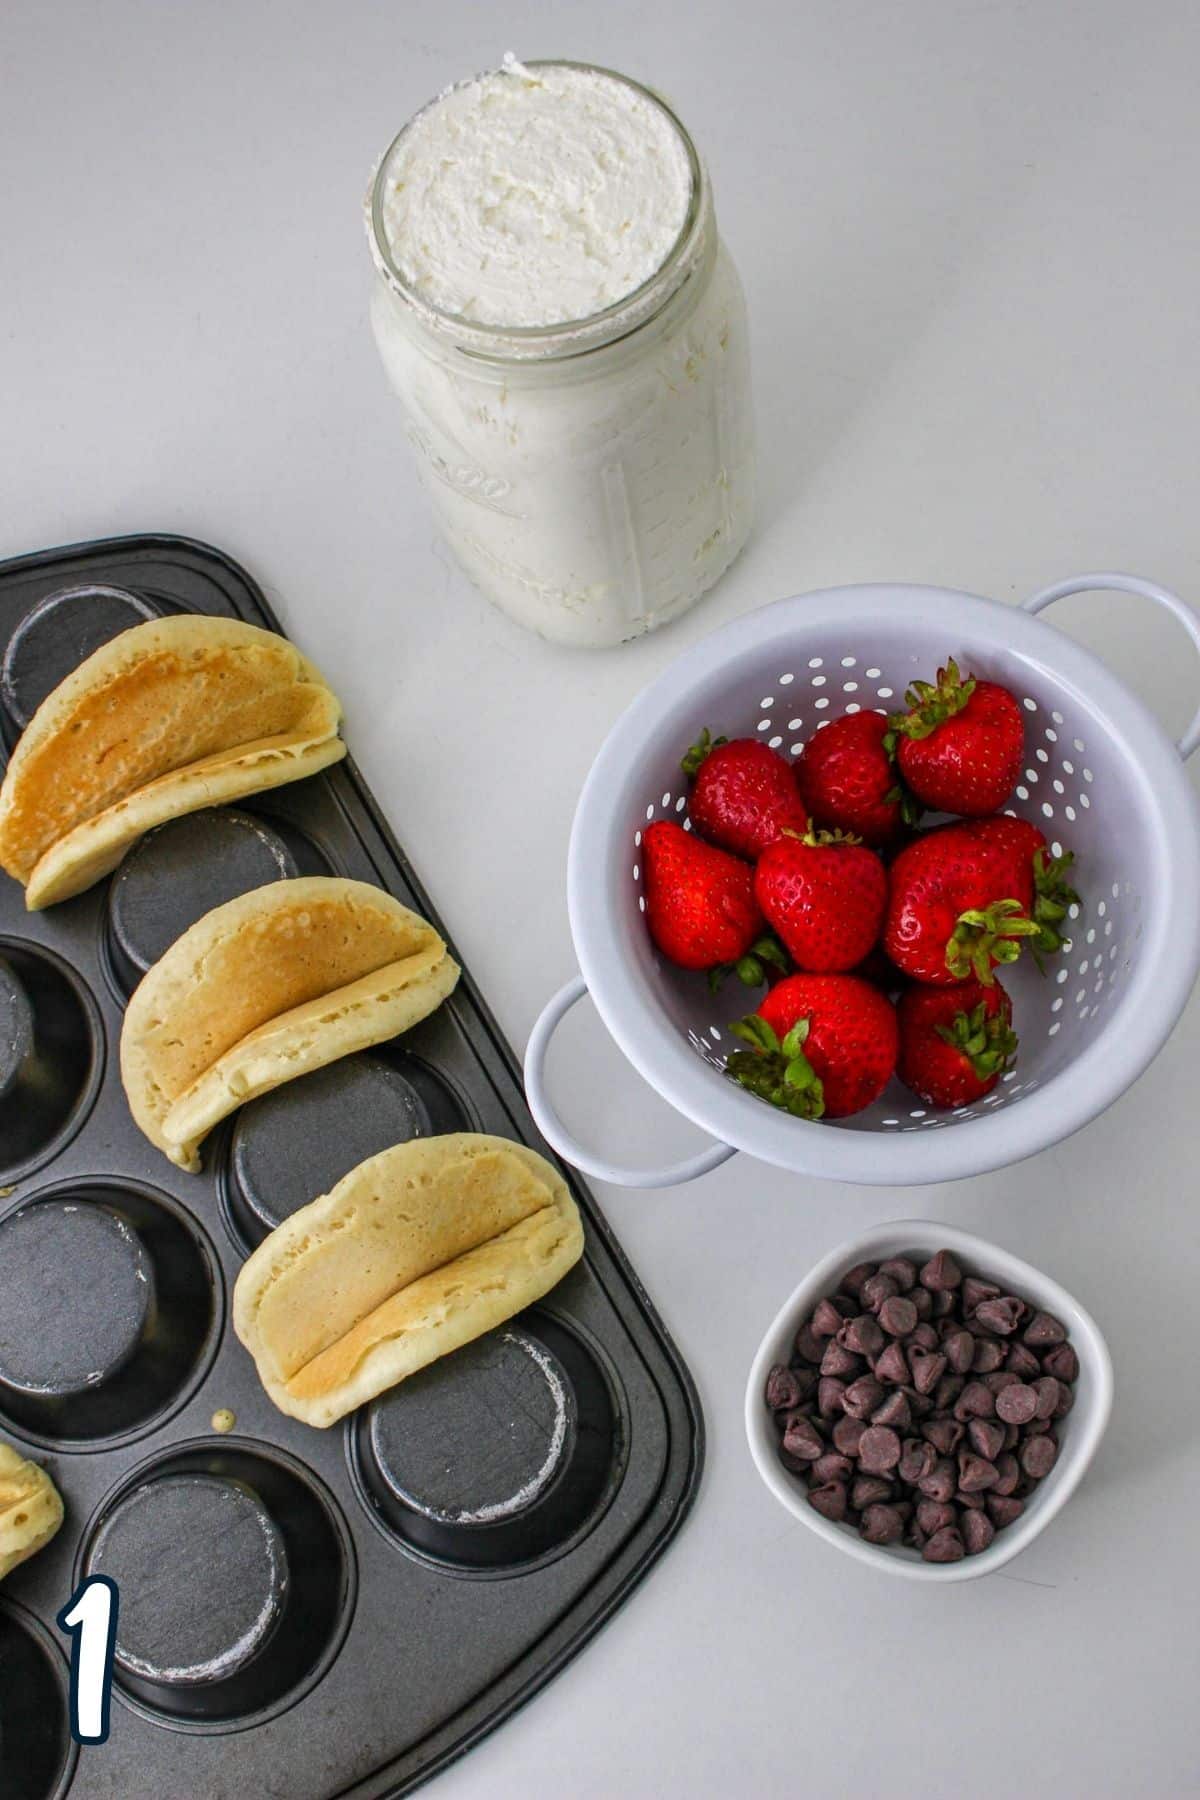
(967,232)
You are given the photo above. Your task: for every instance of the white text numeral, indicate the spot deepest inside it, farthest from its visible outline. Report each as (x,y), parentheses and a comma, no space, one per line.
(90,1618)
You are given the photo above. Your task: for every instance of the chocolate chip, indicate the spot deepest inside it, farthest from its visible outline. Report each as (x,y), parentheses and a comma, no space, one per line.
(932,1515)
(987,1438)
(862,1397)
(941,1271)
(832,1467)
(894,1411)
(868,1489)
(829,1396)
(944,1303)
(944,1434)
(971,1502)
(977,1532)
(975,1402)
(882,1524)
(959,1350)
(1002,1315)
(1003,1378)
(829,1500)
(837,1360)
(1043,1330)
(944,1546)
(879,1450)
(1003,1509)
(847,1435)
(1008,1474)
(852,1281)
(975,1472)
(1022,1362)
(974,1290)
(901,1271)
(802,1439)
(925,1336)
(988,1356)
(1066,1400)
(862,1335)
(891,1366)
(809,1347)
(1038,1456)
(922,1299)
(941,1480)
(826,1321)
(880,1288)
(898,1316)
(1016,1404)
(783,1390)
(947,1391)
(1062,1363)
(917,1460)
(921,1404)
(927,1367)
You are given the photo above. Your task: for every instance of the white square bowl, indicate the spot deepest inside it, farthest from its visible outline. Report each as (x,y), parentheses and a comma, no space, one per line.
(1080,1431)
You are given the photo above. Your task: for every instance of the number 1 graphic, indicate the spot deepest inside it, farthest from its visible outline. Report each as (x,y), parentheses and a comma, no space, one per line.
(90,1619)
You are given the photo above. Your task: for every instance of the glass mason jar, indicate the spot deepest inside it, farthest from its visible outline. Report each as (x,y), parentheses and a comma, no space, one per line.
(595,478)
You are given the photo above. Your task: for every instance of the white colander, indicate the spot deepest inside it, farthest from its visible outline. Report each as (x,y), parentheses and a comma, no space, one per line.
(1100,777)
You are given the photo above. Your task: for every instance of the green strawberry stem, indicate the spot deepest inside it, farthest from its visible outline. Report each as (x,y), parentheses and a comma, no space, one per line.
(932,703)
(779,1073)
(750,968)
(987,935)
(1054,896)
(703,746)
(815,837)
(988,1043)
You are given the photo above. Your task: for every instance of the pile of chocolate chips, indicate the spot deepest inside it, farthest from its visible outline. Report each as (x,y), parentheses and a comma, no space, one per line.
(921,1405)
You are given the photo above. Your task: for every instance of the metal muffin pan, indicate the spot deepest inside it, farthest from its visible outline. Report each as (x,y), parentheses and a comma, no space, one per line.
(304,1613)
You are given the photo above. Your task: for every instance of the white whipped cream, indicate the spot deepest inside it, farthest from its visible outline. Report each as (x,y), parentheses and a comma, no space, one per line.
(529,197)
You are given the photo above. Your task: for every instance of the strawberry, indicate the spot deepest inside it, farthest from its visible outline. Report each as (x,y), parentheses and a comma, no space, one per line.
(821,1046)
(743,794)
(959,902)
(1053,894)
(825,894)
(955,1043)
(700,904)
(960,745)
(848,781)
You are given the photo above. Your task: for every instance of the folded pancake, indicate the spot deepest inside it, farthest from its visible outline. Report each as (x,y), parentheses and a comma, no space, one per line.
(280,981)
(414,1253)
(171,716)
(31,1509)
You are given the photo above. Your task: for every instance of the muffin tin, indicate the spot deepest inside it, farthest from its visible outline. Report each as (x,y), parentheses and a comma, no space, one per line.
(334,1613)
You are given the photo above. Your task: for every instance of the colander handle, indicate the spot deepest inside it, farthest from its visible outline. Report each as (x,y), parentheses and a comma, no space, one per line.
(556,1133)
(1148,590)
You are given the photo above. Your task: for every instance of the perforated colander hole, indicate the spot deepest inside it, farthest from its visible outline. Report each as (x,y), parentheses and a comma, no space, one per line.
(637,839)
(767,701)
(1070,813)
(818,681)
(637,873)
(1090,935)
(890,1123)
(1073,910)
(1078,744)
(1102,907)
(823,701)
(1041,755)
(1063,975)
(650,811)
(854,707)
(795,724)
(872,674)
(1047,809)
(666,801)
(1108,927)
(1050,735)
(918,1112)
(1068,767)
(641,902)
(1022,794)
(1057,717)
(774,743)
(681,803)
(885,693)
(1032,775)
(786,680)
(797,749)
(714,1032)
(849,687)
(1058,787)
(1029,704)
(818,662)
(1084,802)
(1116,890)
(764,724)
(1056,1005)
(1054,1029)
(848,662)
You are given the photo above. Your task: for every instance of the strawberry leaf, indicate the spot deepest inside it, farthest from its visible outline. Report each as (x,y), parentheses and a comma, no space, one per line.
(702,748)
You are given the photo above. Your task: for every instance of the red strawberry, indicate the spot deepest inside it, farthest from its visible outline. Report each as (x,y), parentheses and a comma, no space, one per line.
(848,780)
(825,895)
(743,794)
(959,747)
(700,903)
(955,1043)
(822,1046)
(1053,894)
(958,904)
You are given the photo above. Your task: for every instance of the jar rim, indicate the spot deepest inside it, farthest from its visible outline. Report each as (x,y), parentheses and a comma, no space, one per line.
(567,337)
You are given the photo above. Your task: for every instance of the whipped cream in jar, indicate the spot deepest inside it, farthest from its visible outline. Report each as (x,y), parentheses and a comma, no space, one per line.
(567,336)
